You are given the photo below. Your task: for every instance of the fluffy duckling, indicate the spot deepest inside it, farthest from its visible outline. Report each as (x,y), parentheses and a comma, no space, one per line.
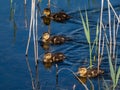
(53,39)
(84,72)
(51,58)
(58,17)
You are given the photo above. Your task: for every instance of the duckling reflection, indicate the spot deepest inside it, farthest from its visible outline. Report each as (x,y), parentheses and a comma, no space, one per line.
(47,65)
(91,73)
(83,79)
(58,17)
(46,20)
(53,57)
(46,38)
(45,46)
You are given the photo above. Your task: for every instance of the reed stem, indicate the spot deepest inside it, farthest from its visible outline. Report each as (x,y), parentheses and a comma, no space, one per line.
(100,32)
(109,16)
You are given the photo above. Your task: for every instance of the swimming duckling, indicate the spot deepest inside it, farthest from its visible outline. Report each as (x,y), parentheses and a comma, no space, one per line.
(53,39)
(84,72)
(51,58)
(58,17)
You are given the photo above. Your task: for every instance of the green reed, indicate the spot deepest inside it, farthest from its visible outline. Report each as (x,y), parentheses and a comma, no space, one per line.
(87,34)
(114,73)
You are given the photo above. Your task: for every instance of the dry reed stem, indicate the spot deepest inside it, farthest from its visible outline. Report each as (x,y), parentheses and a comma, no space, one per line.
(114,39)
(102,51)
(48,3)
(31,25)
(99,56)
(110,33)
(114,11)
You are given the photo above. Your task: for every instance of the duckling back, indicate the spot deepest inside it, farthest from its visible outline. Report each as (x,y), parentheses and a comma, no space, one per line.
(57,57)
(60,17)
(51,58)
(94,72)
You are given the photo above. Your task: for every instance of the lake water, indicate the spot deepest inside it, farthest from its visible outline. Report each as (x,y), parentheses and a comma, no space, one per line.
(14,30)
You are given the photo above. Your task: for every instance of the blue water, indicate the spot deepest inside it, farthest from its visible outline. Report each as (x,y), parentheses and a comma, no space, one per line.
(14,72)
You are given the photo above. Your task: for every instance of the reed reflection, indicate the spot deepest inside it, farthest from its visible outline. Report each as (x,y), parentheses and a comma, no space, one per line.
(25,15)
(34,80)
(12,20)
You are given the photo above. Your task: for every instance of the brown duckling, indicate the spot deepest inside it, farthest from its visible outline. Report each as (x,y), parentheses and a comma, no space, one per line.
(58,17)
(51,58)
(53,39)
(90,73)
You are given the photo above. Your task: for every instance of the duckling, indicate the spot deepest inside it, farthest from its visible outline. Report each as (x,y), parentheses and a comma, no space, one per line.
(58,17)
(51,58)
(53,39)
(90,73)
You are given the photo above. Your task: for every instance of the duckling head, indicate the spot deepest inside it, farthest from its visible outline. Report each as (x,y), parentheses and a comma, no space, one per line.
(48,57)
(82,71)
(45,37)
(47,12)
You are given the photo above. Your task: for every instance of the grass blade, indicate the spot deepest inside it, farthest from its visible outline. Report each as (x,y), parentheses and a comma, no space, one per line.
(118,75)
(87,24)
(112,72)
(85,29)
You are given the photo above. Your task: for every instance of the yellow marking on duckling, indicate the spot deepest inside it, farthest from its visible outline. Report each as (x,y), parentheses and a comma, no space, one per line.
(45,37)
(46,12)
(82,71)
(48,57)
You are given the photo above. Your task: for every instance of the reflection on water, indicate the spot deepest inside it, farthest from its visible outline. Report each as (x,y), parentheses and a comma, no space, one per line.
(12,14)
(25,16)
